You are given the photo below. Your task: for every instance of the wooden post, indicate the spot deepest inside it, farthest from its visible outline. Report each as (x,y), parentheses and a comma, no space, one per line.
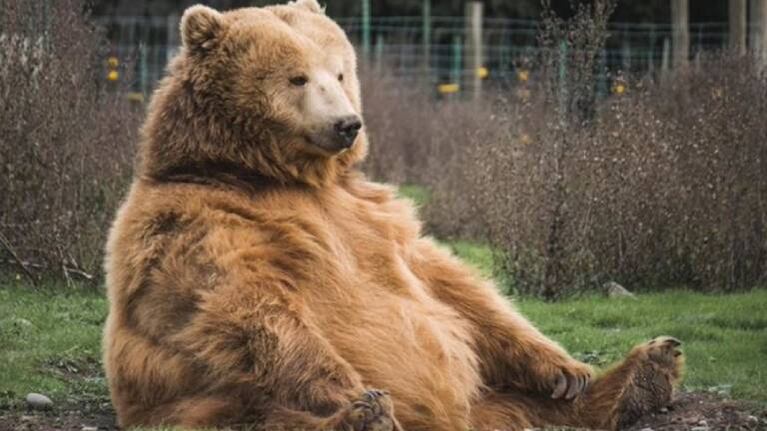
(681,32)
(760,32)
(473,52)
(366,29)
(737,26)
(753,23)
(665,61)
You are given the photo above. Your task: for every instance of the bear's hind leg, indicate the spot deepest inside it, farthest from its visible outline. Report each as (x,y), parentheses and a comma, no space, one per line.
(501,412)
(642,383)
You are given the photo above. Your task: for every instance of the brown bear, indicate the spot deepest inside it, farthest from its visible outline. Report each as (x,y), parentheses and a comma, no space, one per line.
(255,277)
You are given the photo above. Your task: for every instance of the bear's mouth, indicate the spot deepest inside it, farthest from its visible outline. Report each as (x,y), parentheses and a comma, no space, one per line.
(325,146)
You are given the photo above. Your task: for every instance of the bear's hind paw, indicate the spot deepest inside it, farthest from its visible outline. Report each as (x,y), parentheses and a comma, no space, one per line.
(373,411)
(657,368)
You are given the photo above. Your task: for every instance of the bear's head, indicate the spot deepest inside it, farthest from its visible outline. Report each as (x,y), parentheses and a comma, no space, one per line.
(269,92)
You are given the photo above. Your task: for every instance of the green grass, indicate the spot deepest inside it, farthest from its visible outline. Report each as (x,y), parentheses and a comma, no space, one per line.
(479,255)
(418,194)
(50,338)
(50,342)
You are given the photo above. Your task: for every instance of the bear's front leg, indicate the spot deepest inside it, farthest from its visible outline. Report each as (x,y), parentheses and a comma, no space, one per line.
(372,411)
(267,357)
(513,353)
(528,361)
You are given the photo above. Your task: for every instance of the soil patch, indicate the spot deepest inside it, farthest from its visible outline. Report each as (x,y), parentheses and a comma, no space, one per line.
(690,412)
(701,412)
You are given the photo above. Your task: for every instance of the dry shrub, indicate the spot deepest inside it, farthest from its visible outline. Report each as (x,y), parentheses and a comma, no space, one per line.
(417,139)
(66,139)
(664,185)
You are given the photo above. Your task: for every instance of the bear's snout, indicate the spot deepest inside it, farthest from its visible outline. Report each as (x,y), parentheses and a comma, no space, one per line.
(346,130)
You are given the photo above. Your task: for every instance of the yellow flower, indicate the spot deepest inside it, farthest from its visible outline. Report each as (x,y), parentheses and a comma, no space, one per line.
(113,75)
(448,88)
(523,75)
(113,62)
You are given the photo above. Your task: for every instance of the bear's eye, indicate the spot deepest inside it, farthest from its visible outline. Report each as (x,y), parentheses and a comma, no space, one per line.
(299,81)
(341,77)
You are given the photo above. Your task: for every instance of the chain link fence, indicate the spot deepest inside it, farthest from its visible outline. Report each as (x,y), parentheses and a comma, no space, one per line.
(407,48)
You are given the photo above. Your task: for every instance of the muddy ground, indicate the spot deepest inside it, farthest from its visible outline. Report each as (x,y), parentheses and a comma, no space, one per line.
(690,411)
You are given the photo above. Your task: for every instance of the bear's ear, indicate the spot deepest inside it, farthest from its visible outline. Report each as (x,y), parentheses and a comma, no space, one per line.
(310,5)
(200,27)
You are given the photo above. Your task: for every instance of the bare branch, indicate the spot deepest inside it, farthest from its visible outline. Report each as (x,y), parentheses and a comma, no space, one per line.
(7,245)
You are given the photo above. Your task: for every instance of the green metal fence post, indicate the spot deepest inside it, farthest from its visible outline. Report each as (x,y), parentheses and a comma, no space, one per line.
(143,69)
(602,70)
(626,55)
(455,73)
(651,51)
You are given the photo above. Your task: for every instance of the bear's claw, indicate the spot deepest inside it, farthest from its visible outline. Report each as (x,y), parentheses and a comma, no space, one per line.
(571,380)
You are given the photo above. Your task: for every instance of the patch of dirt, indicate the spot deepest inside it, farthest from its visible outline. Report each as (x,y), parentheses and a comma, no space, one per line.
(92,416)
(691,411)
(701,412)
(70,369)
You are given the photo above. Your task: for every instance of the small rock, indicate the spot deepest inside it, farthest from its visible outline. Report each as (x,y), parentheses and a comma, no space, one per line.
(615,290)
(703,423)
(22,322)
(87,428)
(646,429)
(752,420)
(699,429)
(664,410)
(38,401)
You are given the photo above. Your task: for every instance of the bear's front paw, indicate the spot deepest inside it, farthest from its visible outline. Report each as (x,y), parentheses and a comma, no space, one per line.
(565,378)
(373,411)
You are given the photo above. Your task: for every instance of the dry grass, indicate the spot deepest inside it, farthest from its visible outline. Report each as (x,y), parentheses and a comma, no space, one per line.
(664,184)
(66,139)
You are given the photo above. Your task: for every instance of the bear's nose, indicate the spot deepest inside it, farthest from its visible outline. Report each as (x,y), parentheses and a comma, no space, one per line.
(347,128)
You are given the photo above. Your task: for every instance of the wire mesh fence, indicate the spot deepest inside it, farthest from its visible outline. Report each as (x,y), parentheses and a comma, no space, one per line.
(408,49)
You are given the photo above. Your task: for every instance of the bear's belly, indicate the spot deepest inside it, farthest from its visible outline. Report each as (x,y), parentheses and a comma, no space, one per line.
(413,346)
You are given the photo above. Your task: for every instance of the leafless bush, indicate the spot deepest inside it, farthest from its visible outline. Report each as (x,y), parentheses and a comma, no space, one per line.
(664,185)
(66,140)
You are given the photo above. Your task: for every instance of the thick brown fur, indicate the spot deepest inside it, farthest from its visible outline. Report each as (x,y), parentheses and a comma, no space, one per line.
(256,278)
